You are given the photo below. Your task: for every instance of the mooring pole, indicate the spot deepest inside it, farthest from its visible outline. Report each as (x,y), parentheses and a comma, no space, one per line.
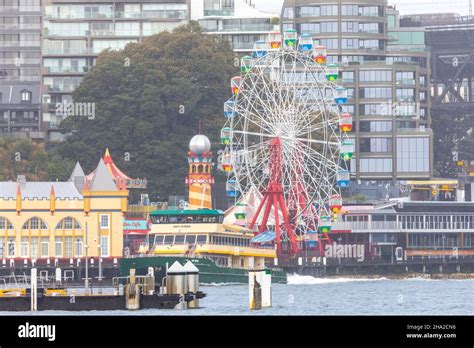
(86,283)
(34,289)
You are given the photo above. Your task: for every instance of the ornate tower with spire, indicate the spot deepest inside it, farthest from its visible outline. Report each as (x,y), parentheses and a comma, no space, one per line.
(200,180)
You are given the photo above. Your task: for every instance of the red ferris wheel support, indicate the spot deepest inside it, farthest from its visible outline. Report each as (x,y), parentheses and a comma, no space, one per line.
(273,198)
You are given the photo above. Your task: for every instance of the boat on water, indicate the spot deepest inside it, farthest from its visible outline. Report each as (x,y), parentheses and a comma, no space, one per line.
(224,254)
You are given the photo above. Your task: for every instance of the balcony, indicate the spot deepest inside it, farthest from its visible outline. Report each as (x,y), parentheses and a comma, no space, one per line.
(405,98)
(218,13)
(67,70)
(405,82)
(397,226)
(244,28)
(67,51)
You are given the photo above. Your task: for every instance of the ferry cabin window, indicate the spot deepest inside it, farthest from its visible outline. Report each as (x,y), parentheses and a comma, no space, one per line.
(159,239)
(169,239)
(190,239)
(179,240)
(201,239)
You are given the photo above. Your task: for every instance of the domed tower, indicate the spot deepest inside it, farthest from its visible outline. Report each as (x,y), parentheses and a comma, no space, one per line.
(200,179)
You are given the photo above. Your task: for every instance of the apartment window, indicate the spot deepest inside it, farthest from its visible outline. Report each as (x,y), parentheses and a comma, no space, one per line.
(375,145)
(376,109)
(2,248)
(310,28)
(406,109)
(371,44)
(348,76)
(207,25)
(375,126)
(330,44)
(375,93)
(405,94)
(405,77)
(104,221)
(375,75)
(104,246)
(329,27)
(288,13)
(350,43)
(375,165)
(413,154)
(58,247)
(370,11)
(406,125)
(25,96)
(127,29)
(373,28)
(24,247)
(308,11)
(328,10)
(349,10)
(349,27)
(44,246)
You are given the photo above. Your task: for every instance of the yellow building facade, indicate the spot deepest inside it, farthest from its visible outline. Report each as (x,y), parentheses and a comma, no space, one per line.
(50,220)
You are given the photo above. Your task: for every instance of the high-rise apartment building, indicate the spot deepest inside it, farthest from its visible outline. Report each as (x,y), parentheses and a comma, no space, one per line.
(388,81)
(236,20)
(20,68)
(75,32)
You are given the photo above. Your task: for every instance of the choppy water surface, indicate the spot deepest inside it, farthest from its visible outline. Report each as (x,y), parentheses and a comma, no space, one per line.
(318,296)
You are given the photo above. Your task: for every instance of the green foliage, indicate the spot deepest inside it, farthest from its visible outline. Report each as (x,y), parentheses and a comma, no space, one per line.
(150,99)
(24,157)
(452,133)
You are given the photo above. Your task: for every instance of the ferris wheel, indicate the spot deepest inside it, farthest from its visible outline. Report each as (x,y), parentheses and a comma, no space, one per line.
(286,139)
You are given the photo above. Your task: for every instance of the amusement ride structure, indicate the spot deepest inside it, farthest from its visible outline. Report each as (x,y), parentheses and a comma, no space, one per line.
(286,142)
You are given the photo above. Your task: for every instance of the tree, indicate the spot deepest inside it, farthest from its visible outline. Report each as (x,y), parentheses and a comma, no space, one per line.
(25,157)
(150,99)
(453,140)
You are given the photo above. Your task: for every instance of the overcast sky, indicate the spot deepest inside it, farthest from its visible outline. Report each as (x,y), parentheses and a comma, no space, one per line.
(404,6)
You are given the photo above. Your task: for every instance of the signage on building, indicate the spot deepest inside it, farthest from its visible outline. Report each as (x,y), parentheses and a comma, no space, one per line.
(138,226)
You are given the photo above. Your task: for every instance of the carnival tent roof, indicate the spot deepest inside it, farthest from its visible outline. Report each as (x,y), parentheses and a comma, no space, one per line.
(117,174)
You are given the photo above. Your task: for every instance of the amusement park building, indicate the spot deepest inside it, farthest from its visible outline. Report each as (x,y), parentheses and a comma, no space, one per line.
(236,20)
(388,80)
(47,222)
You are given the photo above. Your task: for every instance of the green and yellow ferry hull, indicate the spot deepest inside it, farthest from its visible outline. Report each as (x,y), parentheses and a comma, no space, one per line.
(209,272)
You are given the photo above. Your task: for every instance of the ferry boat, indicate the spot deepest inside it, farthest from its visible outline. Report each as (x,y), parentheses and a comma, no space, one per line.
(222,253)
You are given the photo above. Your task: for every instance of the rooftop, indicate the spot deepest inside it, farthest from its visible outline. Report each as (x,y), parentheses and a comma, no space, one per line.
(200,212)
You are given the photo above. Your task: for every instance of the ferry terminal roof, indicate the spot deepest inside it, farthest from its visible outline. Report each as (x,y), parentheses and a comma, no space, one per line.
(198,212)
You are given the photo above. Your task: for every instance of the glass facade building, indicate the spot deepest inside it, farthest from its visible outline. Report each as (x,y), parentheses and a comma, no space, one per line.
(75,33)
(236,20)
(20,68)
(386,71)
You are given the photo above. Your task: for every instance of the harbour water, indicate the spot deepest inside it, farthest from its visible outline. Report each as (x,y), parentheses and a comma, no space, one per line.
(319,296)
